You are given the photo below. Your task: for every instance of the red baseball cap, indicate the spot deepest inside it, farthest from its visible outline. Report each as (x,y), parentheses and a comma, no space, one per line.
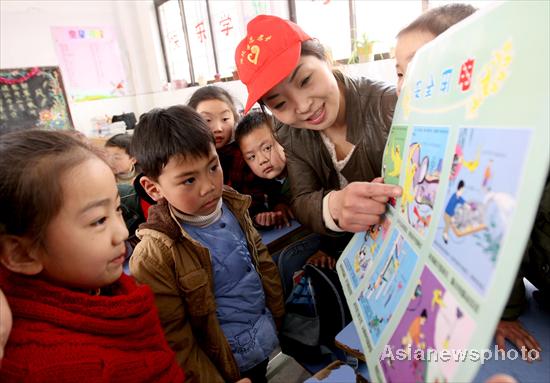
(268,54)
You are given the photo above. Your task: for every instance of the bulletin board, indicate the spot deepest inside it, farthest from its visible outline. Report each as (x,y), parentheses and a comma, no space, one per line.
(91,61)
(33,98)
(469,147)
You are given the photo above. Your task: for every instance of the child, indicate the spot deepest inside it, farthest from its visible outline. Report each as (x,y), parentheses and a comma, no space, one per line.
(76,318)
(217,288)
(424,29)
(123,164)
(216,106)
(266,158)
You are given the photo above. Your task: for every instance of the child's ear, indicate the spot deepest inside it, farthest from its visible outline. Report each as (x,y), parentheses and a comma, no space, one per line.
(151,187)
(18,254)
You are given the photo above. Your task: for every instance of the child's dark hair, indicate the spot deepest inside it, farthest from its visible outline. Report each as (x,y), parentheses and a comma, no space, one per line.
(164,133)
(212,92)
(251,122)
(122,140)
(33,162)
(438,20)
(460,185)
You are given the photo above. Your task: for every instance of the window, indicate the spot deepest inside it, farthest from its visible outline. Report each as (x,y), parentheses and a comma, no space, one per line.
(329,22)
(379,21)
(229,19)
(173,41)
(212,29)
(200,40)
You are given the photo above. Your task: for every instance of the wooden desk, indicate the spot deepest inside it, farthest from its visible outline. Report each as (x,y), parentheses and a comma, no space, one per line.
(535,320)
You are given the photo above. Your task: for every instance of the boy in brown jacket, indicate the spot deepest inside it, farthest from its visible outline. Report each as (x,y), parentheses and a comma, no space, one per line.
(216,287)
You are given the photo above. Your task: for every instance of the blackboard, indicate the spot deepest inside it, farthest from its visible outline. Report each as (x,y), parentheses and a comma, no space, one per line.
(33,98)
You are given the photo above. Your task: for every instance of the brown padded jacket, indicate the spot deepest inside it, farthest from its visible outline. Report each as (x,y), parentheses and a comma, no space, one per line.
(369,112)
(179,271)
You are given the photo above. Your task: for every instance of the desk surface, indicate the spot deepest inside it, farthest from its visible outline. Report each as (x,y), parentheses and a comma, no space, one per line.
(268,236)
(277,239)
(535,320)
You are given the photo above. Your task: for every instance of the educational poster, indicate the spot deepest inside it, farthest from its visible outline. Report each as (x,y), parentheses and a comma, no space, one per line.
(423,170)
(474,164)
(393,156)
(433,320)
(386,286)
(481,200)
(359,260)
(91,62)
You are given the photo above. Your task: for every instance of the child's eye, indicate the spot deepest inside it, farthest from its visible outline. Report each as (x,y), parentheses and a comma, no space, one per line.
(279,106)
(99,222)
(305,81)
(267,148)
(189,181)
(251,157)
(399,74)
(214,168)
(226,119)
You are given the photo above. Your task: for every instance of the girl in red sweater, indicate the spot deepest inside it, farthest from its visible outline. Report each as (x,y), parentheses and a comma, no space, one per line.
(76,316)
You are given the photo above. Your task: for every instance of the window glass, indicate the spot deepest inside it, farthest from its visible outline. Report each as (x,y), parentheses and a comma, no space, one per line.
(380,21)
(200,40)
(174,41)
(229,19)
(328,21)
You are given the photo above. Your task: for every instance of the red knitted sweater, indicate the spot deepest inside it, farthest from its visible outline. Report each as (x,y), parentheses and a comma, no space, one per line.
(61,335)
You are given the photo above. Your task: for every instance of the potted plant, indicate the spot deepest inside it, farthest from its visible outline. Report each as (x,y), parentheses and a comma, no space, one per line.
(362,50)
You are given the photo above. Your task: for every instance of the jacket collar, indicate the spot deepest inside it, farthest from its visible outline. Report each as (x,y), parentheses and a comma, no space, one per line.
(162,220)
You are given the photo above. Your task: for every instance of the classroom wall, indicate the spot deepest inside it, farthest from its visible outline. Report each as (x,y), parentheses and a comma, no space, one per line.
(26,41)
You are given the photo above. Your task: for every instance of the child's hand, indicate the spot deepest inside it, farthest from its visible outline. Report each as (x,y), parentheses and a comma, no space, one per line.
(287,212)
(271,218)
(322,259)
(515,333)
(5,322)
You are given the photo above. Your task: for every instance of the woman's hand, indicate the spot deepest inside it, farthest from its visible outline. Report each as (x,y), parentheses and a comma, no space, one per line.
(5,322)
(515,333)
(361,204)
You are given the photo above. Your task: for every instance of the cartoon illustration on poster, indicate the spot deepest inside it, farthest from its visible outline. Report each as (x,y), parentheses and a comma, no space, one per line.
(474,165)
(480,200)
(393,156)
(366,247)
(387,284)
(432,322)
(424,160)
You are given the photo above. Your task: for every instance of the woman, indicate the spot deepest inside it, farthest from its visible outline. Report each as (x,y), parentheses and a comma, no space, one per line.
(333,128)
